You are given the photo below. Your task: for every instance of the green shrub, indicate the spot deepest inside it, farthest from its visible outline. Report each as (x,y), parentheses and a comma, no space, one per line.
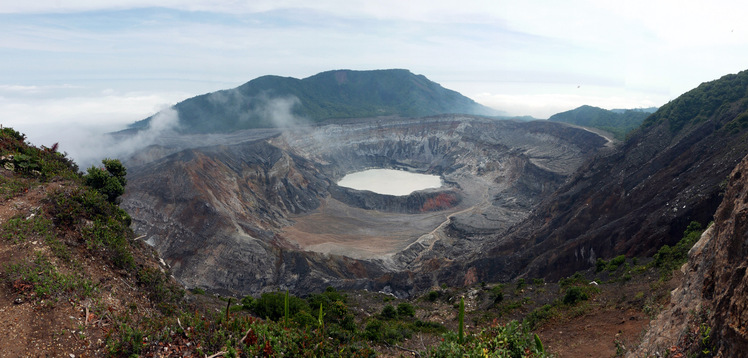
(26,163)
(432,296)
(334,306)
(104,227)
(272,305)
(428,327)
(70,206)
(497,293)
(109,181)
(576,278)
(670,258)
(305,319)
(616,262)
(405,309)
(159,288)
(600,265)
(539,315)
(388,312)
(386,332)
(32,162)
(373,330)
(108,236)
(510,340)
(127,342)
(197,291)
(574,294)
(11,133)
(247,302)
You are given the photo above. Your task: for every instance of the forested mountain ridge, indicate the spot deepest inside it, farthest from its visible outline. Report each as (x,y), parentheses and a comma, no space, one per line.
(618,122)
(274,101)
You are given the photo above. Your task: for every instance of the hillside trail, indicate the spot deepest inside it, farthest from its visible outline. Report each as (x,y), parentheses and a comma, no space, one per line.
(613,322)
(33,328)
(61,325)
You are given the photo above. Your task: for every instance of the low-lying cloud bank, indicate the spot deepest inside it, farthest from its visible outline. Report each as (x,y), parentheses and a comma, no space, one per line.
(80,123)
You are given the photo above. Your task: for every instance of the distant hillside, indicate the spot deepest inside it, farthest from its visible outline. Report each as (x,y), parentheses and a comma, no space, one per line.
(272,101)
(649,110)
(618,121)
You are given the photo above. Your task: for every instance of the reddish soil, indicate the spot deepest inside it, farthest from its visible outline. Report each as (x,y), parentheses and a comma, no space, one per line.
(595,334)
(615,321)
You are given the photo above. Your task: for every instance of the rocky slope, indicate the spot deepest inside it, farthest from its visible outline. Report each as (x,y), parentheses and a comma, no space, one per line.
(633,200)
(713,293)
(265,214)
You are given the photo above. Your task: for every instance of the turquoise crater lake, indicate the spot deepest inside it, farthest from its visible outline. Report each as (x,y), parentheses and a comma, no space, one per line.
(390,181)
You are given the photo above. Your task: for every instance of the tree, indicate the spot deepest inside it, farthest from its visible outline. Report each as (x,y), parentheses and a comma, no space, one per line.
(109,180)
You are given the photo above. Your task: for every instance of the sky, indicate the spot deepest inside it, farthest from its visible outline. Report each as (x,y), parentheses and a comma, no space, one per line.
(73,69)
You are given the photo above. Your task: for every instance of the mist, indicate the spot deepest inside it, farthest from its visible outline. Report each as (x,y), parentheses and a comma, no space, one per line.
(280,112)
(88,144)
(88,147)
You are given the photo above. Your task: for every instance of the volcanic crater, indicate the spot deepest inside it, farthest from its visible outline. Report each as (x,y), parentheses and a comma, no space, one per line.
(263,212)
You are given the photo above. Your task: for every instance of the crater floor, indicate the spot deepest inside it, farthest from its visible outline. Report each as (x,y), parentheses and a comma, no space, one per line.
(337,228)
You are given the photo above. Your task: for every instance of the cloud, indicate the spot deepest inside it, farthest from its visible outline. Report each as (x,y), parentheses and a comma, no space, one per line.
(414,10)
(544,105)
(78,123)
(7,89)
(502,54)
(90,147)
(280,112)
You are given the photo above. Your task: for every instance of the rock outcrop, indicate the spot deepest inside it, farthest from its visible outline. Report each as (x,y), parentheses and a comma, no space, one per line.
(712,302)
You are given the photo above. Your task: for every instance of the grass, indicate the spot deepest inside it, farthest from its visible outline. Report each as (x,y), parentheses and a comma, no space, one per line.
(41,279)
(11,187)
(34,227)
(507,340)
(21,229)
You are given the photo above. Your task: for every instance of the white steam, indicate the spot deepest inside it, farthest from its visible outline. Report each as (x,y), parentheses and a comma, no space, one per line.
(90,148)
(87,143)
(280,112)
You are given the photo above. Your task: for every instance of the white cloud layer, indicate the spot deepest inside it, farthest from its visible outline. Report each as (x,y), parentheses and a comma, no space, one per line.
(70,65)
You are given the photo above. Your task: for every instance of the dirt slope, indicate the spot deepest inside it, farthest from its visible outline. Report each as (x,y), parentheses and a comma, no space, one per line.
(63,323)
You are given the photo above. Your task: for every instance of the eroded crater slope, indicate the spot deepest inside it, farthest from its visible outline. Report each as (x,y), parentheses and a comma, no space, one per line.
(263,214)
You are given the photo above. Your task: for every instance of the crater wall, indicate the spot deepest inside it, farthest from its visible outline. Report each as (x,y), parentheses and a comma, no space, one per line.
(264,214)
